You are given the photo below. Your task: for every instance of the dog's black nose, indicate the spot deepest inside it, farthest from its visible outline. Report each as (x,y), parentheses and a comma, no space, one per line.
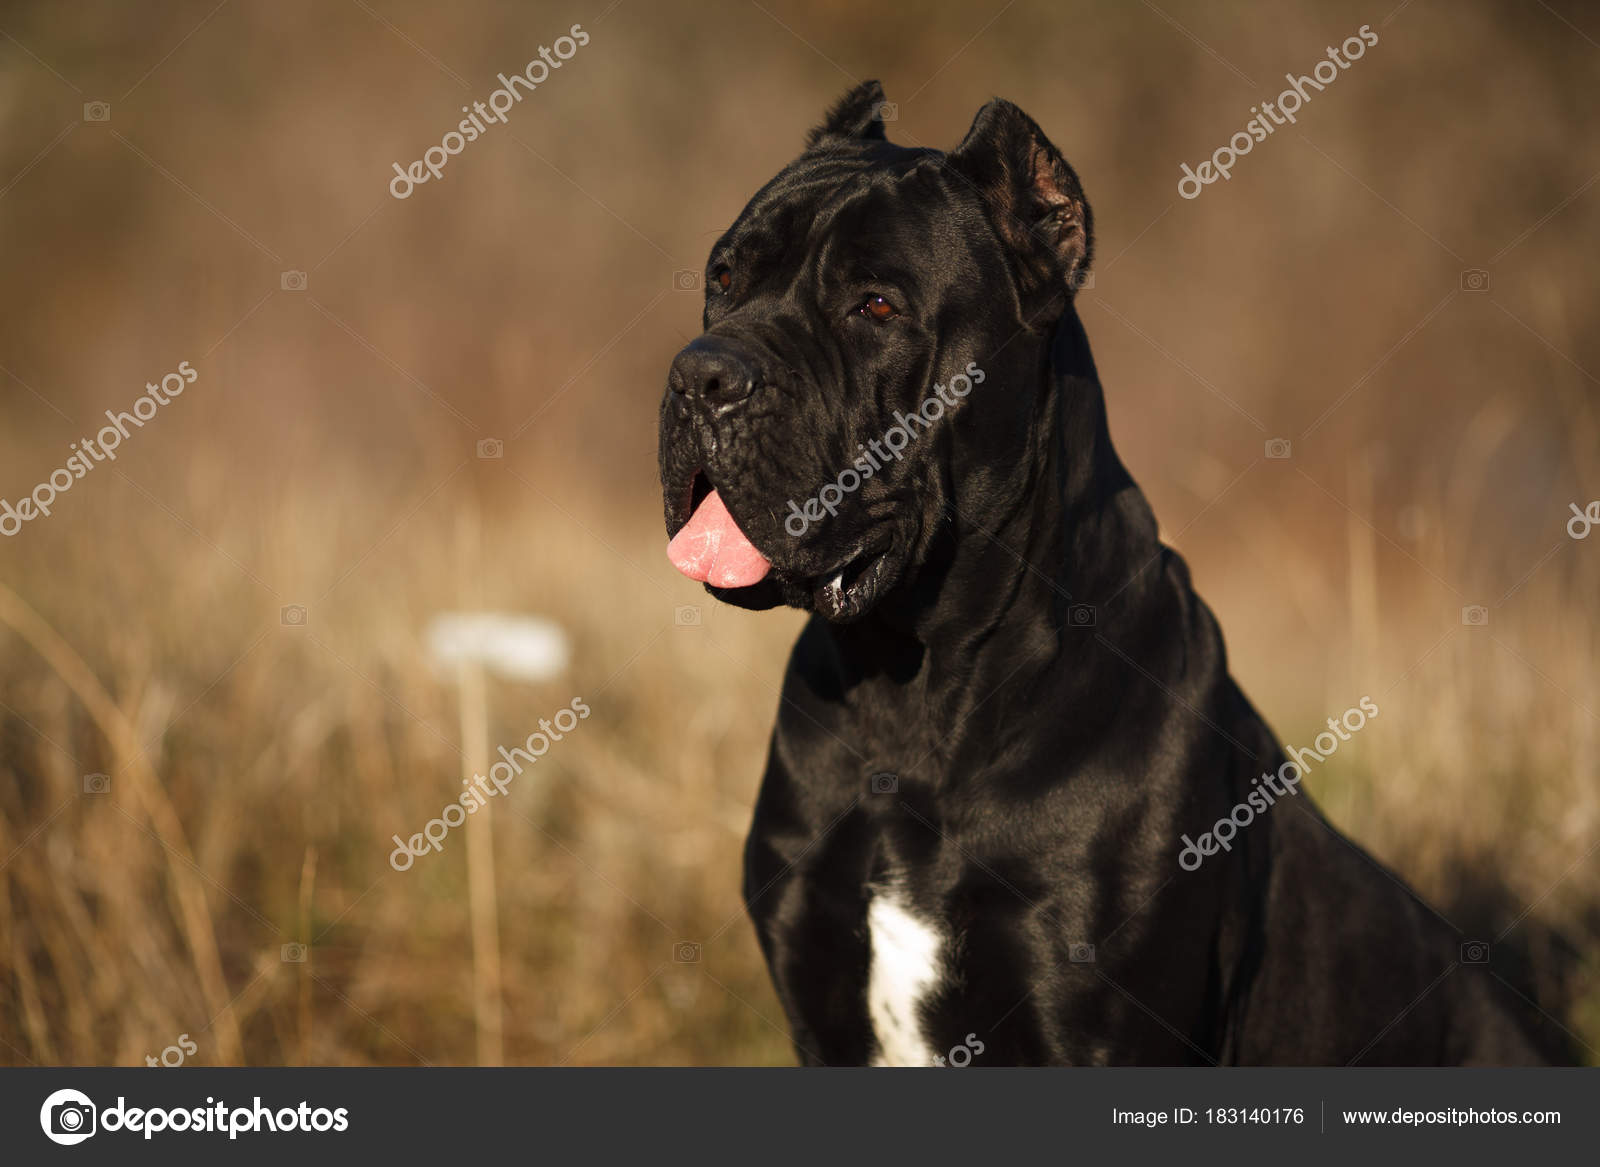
(714,370)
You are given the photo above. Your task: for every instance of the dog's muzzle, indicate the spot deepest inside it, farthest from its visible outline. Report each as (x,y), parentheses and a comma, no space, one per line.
(713,374)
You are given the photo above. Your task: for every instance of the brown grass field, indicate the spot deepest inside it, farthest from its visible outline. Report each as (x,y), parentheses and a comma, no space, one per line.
(326,458)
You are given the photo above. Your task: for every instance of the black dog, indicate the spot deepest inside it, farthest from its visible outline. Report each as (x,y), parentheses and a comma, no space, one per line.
(1010,717)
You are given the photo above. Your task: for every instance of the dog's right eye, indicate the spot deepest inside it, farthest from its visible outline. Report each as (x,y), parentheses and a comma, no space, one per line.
(877,308)
(722,277)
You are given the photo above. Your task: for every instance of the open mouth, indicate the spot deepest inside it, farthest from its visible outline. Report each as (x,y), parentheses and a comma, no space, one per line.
(847,592)
(699,487)
(710,547)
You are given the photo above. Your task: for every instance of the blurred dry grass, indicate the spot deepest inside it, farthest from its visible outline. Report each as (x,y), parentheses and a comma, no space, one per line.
(325,458)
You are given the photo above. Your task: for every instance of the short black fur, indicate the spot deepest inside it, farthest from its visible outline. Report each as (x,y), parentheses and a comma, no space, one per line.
(997,625)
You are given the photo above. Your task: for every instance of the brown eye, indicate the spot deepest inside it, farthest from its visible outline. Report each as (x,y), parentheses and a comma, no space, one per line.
(876,308)
(723,278)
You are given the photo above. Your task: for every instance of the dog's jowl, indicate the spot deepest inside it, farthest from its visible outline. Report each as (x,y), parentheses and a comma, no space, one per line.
(1009,708)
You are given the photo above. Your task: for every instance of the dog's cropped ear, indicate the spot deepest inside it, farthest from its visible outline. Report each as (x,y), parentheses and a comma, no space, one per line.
(858,114)
(1034,199)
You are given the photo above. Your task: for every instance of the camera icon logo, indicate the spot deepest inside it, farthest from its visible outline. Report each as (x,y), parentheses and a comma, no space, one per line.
(686,952)
(1080,953)
(97,784)
(1081,615)
(292,281)
(97,111)
(1278,449)
(686,280)
(491,448)
(884,782)
(686,616)
(887,111)
(1079,280)
(292,953)
(292,616)
(1474,952)
(1475,616)
(1474,279)
(67,1117)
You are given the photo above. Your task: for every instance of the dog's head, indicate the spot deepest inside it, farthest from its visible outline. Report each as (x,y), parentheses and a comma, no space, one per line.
(857,360)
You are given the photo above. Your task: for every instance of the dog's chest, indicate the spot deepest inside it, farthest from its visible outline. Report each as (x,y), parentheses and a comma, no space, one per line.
(908,967)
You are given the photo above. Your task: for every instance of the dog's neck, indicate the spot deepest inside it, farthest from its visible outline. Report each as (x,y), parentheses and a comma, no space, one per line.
(997,594)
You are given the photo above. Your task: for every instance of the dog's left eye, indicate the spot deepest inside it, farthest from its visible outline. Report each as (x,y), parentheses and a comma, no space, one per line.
(722,277)
(877,308)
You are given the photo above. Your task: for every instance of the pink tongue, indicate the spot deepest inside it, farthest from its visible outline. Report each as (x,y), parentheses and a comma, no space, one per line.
(713,550)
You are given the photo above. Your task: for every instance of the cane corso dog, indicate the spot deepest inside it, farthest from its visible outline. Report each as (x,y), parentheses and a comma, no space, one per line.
(1016,812)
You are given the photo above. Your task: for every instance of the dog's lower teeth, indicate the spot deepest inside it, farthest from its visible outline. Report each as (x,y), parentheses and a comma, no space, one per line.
(835,586)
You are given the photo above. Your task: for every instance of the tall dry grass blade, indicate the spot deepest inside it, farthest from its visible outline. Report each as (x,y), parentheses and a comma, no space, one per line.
(152,799)
(482,894)
(308,882)
(33,1014)
(1365,626)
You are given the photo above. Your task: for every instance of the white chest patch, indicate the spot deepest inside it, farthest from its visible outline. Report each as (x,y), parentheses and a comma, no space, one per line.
(907,964)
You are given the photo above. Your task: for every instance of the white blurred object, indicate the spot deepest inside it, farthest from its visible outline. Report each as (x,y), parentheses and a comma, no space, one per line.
(517,648)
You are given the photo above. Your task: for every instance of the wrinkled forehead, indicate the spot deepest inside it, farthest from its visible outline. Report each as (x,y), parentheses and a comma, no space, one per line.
(891,203)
